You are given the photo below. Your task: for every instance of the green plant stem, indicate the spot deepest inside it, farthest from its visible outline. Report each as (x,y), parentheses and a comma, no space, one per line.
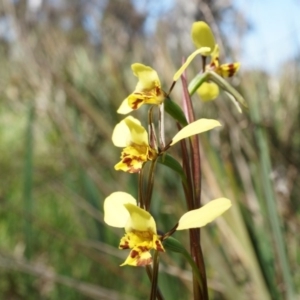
(161,126)
(195,162)
(149,271)
(220,81)
(140,189)
(196,82)
(171,244)
(151,130)
(154,280)
(194,145)
(188,188)
(150,183)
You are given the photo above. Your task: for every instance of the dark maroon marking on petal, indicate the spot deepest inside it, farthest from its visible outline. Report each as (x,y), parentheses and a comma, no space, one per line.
(143,248)
(136,103)
(134,254)
(157,91)
(125,245)
(159,247)
(231,70)
(127,161)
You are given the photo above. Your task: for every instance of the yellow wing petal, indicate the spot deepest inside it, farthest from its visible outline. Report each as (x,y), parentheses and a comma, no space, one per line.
(124,108)
(121,135)
(202,36)
(188,61)
(115,214)
(196,127)
(200,217)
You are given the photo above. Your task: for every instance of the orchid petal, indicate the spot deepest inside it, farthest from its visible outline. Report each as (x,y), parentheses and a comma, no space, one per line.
(129,131)
(201,51)
(229,70)
(115,214)
(140,219)
(121,135)
(148,77)
(138,133)
(196,127)
(202,36)
(208,91)
(124,108)
(215,56)
(138,258)
(200,217)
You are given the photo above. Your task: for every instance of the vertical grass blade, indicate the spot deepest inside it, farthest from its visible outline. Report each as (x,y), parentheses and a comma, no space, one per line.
(265,162)
(28,181)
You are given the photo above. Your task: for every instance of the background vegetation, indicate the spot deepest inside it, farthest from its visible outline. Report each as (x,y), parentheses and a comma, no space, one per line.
(65,68)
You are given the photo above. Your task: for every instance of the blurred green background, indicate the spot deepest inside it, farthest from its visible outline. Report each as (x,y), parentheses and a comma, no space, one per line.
(64,70)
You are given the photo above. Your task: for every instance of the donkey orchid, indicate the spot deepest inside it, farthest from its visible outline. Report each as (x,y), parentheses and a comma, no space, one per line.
(133,137)
(204,40)
(130,135)
(147,91)
(121,210)
(209,90)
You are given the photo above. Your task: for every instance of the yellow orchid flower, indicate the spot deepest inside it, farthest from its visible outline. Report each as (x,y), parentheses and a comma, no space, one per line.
(133,137)
(147,91)
(209,90)
(121,211)
(203,38)
(224,70)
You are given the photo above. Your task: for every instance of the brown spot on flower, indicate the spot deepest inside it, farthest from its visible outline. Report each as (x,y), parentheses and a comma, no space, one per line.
(159,246)
(127,160)
(157,91)
(136,103)
(231,70)
(134,254)
(143,248)
(124,246)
